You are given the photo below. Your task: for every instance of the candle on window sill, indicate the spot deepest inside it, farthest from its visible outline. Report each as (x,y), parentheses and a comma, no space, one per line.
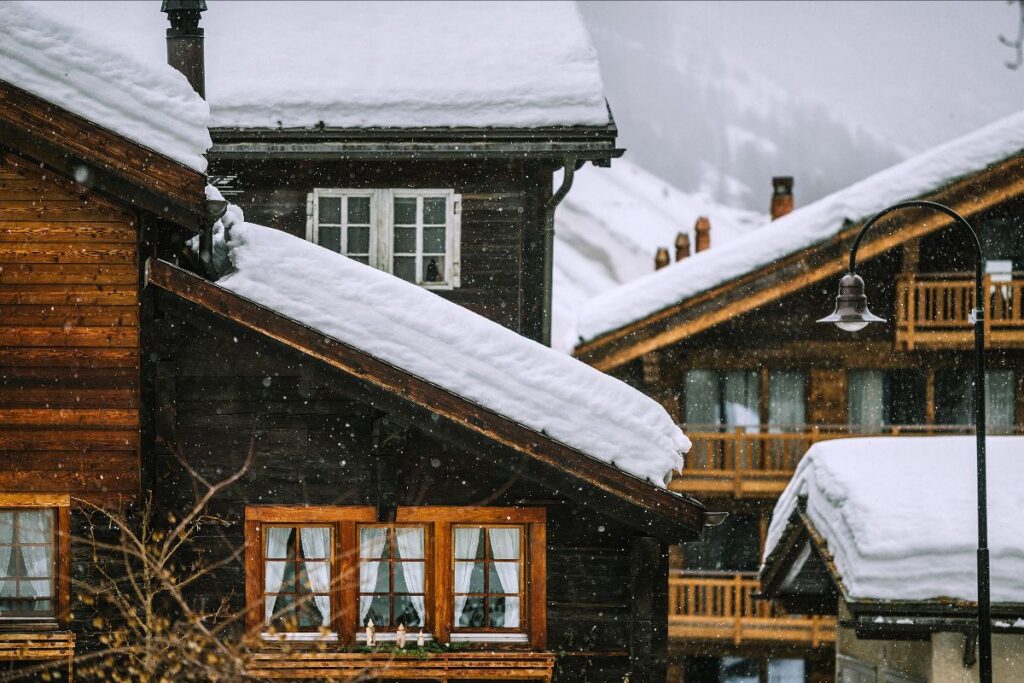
(370,634)
(400,637)
(420,640)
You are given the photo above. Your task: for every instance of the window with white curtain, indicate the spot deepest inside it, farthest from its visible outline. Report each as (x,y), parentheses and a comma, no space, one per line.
(488,580)
(728,398)
(392,573)
(787,398)
(413,234)
(27,563)
(297,577)
(954,397)
(876,398)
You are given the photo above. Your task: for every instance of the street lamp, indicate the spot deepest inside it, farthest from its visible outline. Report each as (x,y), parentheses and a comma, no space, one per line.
(852,314)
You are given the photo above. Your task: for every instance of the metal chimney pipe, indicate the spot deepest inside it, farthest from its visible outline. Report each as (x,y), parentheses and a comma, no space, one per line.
(185,40)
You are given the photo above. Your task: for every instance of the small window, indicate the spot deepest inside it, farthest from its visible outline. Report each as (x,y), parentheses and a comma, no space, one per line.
(392,576)
(28,577)
(297,577)
(413,234)
(488,581)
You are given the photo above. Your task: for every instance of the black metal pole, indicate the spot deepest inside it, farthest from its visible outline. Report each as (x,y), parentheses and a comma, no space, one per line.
(978,315)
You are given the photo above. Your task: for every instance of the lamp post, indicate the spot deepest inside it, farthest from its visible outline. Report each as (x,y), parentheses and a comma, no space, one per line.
(852,314)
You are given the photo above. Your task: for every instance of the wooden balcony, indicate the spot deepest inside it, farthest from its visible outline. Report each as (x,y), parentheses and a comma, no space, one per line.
(757,462)
(933,310)
(722,608)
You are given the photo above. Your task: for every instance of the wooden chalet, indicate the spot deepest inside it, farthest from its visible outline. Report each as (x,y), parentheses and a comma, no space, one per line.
(371,493)
(740,363)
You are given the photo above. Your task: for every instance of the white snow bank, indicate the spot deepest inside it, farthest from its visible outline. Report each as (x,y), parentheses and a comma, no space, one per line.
(152,105)
(387,64)
(900,514)
(610,226)
(451,347)
(802,228)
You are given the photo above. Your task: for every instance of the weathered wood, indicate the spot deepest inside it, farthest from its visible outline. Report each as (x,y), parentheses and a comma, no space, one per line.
(498,665)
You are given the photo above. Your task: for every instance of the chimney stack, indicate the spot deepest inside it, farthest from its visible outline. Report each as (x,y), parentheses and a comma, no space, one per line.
(682,246)
(703,234)
(782,196)
(661,258)
(185,40)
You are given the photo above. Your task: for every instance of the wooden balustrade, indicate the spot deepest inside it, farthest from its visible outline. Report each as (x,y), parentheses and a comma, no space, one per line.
(758,461)
(725,607)
(934,310)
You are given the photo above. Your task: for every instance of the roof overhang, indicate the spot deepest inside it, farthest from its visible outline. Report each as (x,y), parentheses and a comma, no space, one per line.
(114,166)
(968,196)
(595,144)
(673,517)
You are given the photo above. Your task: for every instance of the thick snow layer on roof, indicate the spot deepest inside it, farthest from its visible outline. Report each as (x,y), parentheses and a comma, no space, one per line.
(610,226)
(152,105)
(900,514)
(453,348)
(802,228)
(387,64)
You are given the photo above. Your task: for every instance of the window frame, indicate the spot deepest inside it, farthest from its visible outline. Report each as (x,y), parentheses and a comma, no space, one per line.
(428,578)
(60,505)
(382,227)
(332,549)
(438,570)
(522,594)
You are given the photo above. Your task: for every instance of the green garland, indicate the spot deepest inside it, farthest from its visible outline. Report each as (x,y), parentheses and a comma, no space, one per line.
(413,650)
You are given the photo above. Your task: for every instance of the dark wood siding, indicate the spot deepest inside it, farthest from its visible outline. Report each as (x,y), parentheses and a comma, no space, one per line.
(69,338)
(502,218)
(220,388)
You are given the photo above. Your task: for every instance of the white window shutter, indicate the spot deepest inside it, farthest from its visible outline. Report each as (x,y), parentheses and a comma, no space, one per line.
(310,232)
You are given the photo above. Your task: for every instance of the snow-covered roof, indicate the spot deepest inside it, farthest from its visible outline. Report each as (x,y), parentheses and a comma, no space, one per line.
(802,228)
(380,64)
(451,347)
(152,105)
(899,514)
(610,226)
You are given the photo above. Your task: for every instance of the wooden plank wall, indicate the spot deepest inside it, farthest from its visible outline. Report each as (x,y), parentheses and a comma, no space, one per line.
(69,338)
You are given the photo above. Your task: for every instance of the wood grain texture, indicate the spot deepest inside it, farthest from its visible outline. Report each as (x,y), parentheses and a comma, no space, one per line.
(69,337)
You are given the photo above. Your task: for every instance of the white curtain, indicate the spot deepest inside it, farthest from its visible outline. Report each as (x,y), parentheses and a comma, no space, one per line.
(277,546)
(7,585)
(316,544)
(702,399)
(410,546)
(505,546)
(741,399)
(467,539)
(866,398)
(372,541)
(999,398)
(34,527)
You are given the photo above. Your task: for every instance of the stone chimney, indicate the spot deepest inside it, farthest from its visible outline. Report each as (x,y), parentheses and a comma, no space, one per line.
(782,196)
(702,231)
(661,258)
(185,40)
(682,246)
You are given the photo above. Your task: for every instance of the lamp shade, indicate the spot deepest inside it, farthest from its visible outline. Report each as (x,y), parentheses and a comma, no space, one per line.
(851,312)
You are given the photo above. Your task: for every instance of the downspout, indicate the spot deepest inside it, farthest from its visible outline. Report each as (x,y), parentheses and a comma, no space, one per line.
(569,166)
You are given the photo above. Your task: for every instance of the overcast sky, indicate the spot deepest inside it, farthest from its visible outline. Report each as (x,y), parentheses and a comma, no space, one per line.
(720,95)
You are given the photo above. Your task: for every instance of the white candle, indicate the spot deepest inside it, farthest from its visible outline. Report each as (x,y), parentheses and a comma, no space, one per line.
(370,633)
(420,640)
(400,638)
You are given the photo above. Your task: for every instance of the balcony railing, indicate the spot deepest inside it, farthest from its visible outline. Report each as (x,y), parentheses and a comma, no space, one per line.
(934,310)
(757,462)
(724,607)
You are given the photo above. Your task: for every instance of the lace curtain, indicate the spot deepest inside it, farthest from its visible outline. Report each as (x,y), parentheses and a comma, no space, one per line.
(505,546)
(467,540)
(316,543)
(372,541)
(277,546)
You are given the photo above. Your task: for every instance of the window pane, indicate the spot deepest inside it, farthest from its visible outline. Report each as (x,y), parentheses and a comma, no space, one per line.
(330,210)
(316,542)
(8,588)
(434,210)
(377,608)
(365,260)
(473,613)
(405,268)
(905,395)
(472,575)
(279,577)
(410,542)
(406,612)
(741,398)
(504,577)
(433,269)
(329,237)
(41,606)
(787,398)
(34,526)
(375,577)
(358,210)
(6,530)
(310,615)
(358,240)
(405,211)
(433,240)
(504,543)
(37,589)
(503,612)
(702,399)
(277,541)
(373,542)
(865,398)
(405,240)
(36,561)
(469,543)
(999,398)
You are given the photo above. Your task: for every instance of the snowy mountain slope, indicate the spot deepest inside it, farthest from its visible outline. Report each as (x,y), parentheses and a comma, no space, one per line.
(609,227)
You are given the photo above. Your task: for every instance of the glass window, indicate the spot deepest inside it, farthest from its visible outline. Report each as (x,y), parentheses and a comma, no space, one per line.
(954,397)
(875,398)
(728,398)
(787,398)
(420,246)
(297,577)
(488,581)
(27,575)
(392,564)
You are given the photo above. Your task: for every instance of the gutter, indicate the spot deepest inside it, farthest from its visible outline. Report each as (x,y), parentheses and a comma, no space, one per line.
(569,166)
